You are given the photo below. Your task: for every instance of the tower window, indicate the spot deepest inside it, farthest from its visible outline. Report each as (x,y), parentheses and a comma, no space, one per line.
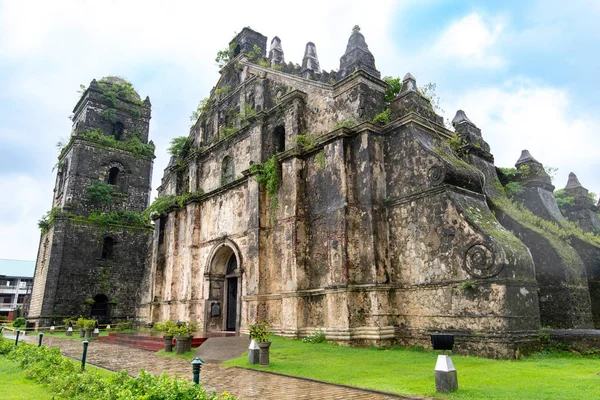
(113,176)
(227,170)
(279,139)
(117,131)
(107,248)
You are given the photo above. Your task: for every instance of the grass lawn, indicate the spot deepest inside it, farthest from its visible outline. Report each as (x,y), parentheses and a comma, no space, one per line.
(410,371)
(15,386)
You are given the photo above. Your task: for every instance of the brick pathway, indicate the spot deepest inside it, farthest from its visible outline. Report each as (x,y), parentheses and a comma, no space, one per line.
(242,383)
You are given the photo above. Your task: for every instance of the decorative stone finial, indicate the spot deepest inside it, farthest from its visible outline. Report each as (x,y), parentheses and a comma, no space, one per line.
(310,62)
(535,175)
(276,52)
(147,101)
(357,56)
(461,117)
(573,182)
(525,158)
(409,83)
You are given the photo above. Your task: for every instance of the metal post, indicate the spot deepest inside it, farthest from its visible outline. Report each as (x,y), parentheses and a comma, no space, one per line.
(85,346)
(41,338)
(196,367)
(17,339)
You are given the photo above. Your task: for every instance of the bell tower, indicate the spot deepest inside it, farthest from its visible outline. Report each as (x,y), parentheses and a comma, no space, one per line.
(93,245)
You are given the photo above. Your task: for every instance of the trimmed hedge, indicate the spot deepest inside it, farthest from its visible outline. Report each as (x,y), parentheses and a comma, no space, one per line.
(63,376)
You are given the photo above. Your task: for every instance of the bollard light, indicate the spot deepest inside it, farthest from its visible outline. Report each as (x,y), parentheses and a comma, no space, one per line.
(196,367)
(17,339)
(85,347)
(41,338)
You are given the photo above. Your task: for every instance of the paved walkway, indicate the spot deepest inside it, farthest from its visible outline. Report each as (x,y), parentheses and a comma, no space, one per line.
(242,383)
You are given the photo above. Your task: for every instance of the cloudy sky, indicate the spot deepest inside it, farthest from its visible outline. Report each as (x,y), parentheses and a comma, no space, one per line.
(525,72)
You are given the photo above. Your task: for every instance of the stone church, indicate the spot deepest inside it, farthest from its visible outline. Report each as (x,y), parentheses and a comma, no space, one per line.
(311,200)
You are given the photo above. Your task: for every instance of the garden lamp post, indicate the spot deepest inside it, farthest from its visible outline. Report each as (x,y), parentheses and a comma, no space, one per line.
(196,367)
(85,347)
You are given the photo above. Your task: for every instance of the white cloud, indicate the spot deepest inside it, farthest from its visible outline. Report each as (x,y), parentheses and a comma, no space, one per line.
(470,41)
(22,204)
(166,49)
(542,119)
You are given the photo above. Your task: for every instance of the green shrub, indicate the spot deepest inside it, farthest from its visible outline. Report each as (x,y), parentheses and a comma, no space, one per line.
(19,322)
(563,200)
(62,376)
(317,336)
(123,325)
(344,124)
(513,189)
(383,117)
(260,331)
(109,115)
(99,192)
(179,146)
(305,141)
(394,86)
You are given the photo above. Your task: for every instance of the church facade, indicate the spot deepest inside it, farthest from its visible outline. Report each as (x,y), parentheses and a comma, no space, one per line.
(315,201)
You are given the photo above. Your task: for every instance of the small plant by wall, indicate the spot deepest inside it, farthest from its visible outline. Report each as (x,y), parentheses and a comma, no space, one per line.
(305,141)
(468,286)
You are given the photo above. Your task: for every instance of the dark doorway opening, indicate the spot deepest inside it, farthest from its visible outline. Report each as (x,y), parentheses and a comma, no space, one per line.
(107,248)
(100,309)
(113,176)
(117,131)
(279,137)
(232,281)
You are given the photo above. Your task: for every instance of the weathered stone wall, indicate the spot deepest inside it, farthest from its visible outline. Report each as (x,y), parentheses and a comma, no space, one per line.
(563,291)
(451,260)
(375,235)
(81,258)
(90,162)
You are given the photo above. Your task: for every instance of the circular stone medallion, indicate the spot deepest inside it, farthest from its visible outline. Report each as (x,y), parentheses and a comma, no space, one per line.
(480,261)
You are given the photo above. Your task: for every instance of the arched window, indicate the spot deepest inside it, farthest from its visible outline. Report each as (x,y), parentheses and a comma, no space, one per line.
(227,170)
(117,131)
(279,139)
(236,50)
(113,176)
(107,248)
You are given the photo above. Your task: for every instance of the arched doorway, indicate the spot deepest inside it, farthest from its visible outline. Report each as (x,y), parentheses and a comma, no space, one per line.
(223,276)
(100,308)
(231,284)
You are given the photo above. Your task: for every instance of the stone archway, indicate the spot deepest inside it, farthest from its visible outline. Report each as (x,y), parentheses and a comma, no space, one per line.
(224,283)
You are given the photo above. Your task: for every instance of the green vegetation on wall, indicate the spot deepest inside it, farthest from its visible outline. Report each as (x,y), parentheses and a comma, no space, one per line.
(161,204)
(179,146)
(98,218)
(267,174)
(134,145)
(99,192)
